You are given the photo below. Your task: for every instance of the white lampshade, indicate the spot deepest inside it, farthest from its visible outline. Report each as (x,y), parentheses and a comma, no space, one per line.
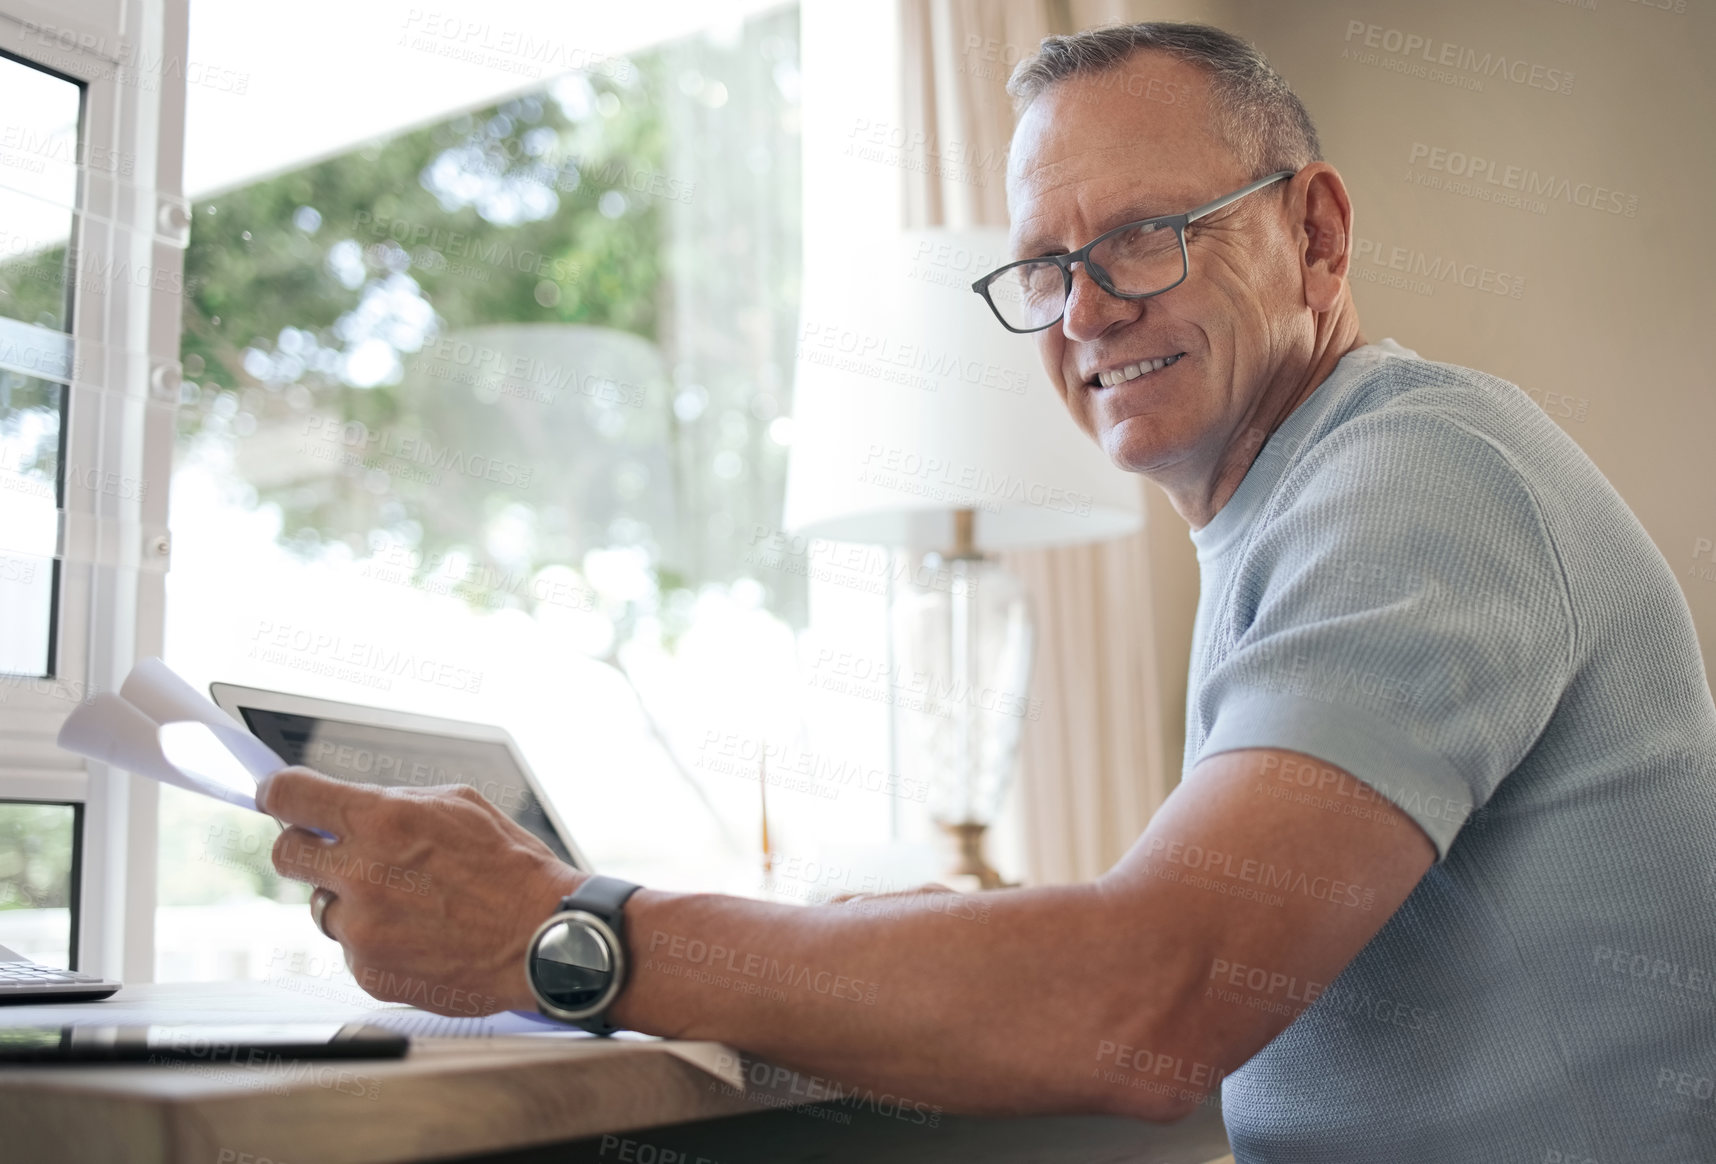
(911,402)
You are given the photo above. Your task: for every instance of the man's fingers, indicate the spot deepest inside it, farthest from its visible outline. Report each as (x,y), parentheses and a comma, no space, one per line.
(298,796)
(302,855)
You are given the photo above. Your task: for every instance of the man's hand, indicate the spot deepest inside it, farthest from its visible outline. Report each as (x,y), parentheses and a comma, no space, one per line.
(437,892)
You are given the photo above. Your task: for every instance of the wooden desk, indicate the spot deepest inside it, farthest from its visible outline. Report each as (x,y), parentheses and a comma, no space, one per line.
(528,1098)
(791,1138)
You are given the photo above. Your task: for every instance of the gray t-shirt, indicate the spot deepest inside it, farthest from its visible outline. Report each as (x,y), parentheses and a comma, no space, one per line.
(1422,580)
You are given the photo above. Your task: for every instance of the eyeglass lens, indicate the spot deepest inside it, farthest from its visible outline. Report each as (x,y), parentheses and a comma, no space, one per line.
(1140,260)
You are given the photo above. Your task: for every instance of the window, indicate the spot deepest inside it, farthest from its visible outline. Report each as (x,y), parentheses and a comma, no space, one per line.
(90,251)
(486,419)
(39,865)
(39,152)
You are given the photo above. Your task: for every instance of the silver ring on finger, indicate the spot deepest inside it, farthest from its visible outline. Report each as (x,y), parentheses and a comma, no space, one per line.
(319,910)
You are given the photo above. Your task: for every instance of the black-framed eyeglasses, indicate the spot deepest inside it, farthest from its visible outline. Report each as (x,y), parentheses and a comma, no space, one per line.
(1132,261)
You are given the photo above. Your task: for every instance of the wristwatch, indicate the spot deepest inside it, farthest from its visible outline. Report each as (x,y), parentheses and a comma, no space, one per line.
(576,961)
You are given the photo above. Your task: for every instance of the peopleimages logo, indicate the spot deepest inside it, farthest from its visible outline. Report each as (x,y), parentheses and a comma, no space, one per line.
(848,673)
(1264,874)
(769,1081)
(128,62)
(883,357)
(63,148)
(975,486)
(724,966)
(1434,59)
(369,664)
(516,50)
(458,244)
(53,360)
(388,447)
(814,772)
(1420,271)
(66,690)
(1704,571)
(915,151)
(867,568)
(1476,168)
(20,571)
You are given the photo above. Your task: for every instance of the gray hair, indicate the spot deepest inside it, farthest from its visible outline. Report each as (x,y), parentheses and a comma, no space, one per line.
(1255,113)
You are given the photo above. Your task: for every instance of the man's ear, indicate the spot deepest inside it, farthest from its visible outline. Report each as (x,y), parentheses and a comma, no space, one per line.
(1326,233)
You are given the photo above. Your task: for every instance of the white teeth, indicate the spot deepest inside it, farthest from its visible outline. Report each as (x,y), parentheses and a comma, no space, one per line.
(1133,371)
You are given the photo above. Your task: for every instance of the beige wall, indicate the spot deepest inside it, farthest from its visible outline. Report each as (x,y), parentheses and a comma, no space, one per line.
(1615,308)
(1570,104)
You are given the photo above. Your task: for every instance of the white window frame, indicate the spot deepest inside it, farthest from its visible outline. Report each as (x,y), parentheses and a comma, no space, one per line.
(120,419)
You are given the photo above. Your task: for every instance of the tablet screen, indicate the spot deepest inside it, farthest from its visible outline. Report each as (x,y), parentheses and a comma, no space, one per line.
(366,754)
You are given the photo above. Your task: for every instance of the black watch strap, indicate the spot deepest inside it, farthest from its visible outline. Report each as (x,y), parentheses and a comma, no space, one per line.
(603,896)
(606,898)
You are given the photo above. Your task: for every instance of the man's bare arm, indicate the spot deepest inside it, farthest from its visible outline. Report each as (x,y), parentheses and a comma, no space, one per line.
(1078,998)
(1071,998)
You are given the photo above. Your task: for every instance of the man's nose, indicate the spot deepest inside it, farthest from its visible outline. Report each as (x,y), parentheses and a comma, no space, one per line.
(1092,311)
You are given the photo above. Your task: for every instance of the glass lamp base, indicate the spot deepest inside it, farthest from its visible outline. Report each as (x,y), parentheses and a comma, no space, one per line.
(968,838)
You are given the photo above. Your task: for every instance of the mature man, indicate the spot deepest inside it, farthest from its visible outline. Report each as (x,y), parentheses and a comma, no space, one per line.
(1438,883)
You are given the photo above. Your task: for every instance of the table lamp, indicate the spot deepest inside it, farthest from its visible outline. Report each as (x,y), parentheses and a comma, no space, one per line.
(920,423)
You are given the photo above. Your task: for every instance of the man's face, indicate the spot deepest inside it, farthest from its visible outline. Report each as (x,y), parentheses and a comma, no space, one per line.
(1087,158)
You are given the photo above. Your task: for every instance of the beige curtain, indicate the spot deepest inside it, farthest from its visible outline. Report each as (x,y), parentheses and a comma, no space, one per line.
(1113,619)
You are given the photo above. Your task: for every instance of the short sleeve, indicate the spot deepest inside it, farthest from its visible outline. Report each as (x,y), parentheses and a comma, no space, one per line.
(1400,613)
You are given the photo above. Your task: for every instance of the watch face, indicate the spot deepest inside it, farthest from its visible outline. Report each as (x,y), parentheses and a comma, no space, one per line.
(572,966)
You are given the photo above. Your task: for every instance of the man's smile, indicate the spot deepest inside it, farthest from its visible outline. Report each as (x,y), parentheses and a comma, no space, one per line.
(1121,373)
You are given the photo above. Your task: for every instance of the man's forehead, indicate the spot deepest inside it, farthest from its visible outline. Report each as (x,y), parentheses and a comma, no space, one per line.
(1046,169)
(1132,164)
(1121,177)
(1083,144)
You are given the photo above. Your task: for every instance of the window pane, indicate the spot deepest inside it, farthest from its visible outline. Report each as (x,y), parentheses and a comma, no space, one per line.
(38,188)
(38,854)
(482,420)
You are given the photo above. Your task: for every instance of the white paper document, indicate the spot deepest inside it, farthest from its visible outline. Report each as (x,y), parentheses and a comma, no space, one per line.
(161,727)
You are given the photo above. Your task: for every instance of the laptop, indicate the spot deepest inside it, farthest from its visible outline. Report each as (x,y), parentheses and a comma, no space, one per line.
(370,745)
(22,980)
